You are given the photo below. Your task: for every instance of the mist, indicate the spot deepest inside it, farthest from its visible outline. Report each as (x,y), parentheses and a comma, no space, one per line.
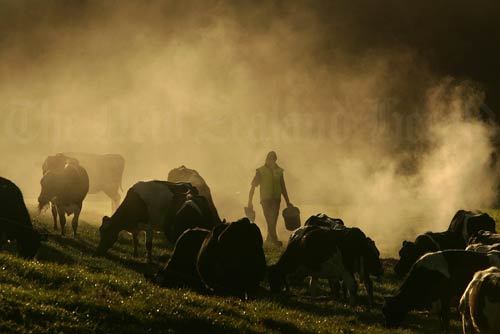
(366,127)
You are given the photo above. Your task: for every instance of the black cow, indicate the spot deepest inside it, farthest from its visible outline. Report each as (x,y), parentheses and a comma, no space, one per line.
(15,221)
(65,190)
(155,205)
(184,174)
(319,249)
(468,223)
(480,303)
(231,259)
(423,244)
(180,269)
(435,280)
(314,250)
(105,171)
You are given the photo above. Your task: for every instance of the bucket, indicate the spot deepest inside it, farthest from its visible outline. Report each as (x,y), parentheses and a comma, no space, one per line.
(291,215)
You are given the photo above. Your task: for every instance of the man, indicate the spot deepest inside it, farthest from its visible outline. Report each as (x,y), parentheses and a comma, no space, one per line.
(272,185)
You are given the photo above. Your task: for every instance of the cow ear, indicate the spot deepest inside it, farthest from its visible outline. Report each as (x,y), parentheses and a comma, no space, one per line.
(405,242)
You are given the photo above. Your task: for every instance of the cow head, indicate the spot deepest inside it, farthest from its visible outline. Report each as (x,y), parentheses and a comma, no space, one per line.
(108,235)
(48,191)
(477,223)
(408,254)
(372,258)
(393,313)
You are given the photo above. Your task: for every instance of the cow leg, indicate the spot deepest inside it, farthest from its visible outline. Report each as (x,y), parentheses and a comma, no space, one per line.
(367,282)
(53,208)
(115,199)
(149,242)
(135,238)
(74,222)
(445,315)
(334,287)
(350,284)
(62,220)
(313,284)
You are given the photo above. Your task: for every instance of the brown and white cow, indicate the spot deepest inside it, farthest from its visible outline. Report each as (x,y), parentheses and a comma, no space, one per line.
(105,171)
(65,190)
(480,303)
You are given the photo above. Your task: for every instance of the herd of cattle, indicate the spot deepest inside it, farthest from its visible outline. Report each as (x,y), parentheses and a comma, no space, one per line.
(438,270)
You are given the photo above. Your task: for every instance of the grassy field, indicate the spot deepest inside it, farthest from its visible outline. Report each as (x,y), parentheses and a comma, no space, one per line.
(67,290)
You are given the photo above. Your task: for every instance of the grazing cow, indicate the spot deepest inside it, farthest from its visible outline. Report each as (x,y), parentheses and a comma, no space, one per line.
(105,171)
(65,190)
(180,269)
(335,254)
(480,303)
(15,221)
(485,238)
(231,259)
(468,223)
(436,279)
(312,249)
(423,244)
(184,174)
(480,248)
(154,205)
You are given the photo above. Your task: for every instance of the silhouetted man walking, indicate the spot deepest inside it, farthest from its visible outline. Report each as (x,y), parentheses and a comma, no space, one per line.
(272,185)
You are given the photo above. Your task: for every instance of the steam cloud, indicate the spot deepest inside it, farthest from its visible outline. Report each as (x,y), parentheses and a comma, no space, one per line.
(370,133)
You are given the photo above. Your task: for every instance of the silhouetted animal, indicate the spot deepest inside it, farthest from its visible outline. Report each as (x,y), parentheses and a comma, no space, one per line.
(180,269)
(436,279)
(15,221)
(485,238)
(231,259)
(105,171)
(184,174)
(468,223)
(155,205)
(423,244)
(65,189)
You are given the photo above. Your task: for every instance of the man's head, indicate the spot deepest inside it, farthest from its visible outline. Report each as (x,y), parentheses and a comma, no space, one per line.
(271,158)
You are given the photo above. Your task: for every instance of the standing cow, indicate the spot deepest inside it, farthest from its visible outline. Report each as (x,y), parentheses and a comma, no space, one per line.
(65,189)
(15,222)
(105,171)
(155,205)
(184,174)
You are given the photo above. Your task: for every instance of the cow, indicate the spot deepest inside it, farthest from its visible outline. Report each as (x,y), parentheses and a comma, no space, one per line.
(180,269)
(184,174)
(481,248)
(15,221)
(485,238)
(65,190)
(105,171)
(425,243)
(312,249)
(480,303)
(155,205)
(342,253)
(231,259)
(468,223)
(436,280)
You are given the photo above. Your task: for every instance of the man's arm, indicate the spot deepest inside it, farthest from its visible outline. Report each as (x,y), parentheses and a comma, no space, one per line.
(284,192)
(255,183)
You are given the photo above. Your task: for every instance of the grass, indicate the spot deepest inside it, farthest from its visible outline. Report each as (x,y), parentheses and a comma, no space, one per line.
(68,290)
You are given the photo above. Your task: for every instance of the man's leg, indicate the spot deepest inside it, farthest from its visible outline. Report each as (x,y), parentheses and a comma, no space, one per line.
(271,212)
